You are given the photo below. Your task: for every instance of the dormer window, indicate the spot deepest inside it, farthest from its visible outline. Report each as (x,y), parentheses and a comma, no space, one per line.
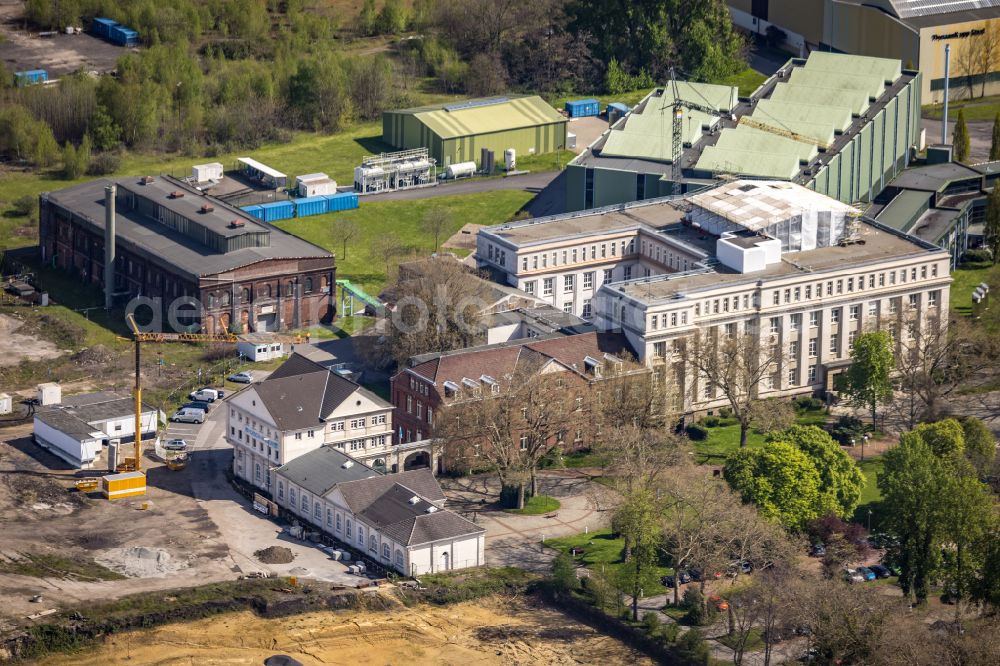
(451,389)
(593,366)
(472,385)
(492,383)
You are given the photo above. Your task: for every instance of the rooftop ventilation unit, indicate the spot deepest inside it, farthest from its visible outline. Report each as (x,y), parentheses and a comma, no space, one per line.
(430,509)
(236,224)
(207,208)
(414,500)
(347,464)
(176,194)
(146,180)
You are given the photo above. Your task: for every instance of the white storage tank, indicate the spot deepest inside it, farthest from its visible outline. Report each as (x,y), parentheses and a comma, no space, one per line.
(49,393)
(6,404)
(202,173)
(460,170)
(510,159)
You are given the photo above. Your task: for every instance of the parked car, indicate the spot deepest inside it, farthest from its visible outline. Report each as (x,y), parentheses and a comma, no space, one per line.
(176,445)
(206,394)
(880,571)
(244,377)
(852,576)
(817,550)
(718,603)
(203,405)
(867,573)
(683,578)
(188,415)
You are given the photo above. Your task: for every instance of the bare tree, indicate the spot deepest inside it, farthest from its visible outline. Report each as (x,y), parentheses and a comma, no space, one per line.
(634,396)
(440,308)
(344,230)
(934,360)
(772,415)
(733,365)
(967,64)
(639,458)
(387,249)
(434,222)
(987,52)
(512,425)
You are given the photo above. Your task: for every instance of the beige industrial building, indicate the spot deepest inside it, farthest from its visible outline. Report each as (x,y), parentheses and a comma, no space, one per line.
(804,270)
(912,31)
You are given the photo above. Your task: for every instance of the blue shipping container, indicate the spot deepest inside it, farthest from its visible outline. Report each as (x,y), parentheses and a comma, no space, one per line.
(31,76)
(123,36)
(279,210)
(255,211)
(341,201)
(583,107)
(102,27)
(310,206)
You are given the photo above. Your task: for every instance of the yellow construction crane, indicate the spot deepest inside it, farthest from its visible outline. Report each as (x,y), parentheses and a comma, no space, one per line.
(788,134)
(139,337)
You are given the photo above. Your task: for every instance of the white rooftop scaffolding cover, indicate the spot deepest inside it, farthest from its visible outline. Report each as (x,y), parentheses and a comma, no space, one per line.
(797,216)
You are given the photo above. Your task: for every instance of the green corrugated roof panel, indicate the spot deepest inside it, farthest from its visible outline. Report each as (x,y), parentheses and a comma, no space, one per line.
(720,98)
(839,118)
(756,140)
(887,69)
(905,209)
(855,100)
(748,163)
(648,135)
(513,113)
(870,84)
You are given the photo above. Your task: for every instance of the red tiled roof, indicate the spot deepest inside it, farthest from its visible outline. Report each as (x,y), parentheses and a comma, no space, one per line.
(497,361)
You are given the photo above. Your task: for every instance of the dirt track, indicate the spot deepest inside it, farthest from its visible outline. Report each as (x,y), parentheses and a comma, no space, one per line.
(492,631)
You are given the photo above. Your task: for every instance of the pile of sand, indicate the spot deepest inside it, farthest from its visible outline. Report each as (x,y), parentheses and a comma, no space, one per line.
(141,562)
(275,555)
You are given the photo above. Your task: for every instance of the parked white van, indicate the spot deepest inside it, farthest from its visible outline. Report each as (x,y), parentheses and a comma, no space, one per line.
(188,415)
(206,394)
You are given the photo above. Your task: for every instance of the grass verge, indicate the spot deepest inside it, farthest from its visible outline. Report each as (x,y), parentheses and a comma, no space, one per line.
(724,439)
(981,108)
(40,565)
(537,505)
(600,550)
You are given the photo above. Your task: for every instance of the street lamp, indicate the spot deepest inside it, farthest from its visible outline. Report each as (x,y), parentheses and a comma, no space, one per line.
(869,520)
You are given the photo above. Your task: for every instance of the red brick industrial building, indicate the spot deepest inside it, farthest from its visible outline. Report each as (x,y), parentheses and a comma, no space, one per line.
(212,263)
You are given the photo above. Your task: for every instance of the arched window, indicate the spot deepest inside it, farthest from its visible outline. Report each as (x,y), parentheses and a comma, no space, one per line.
(399,559)
(338,522)
(385,551)
(348,527)
(246,295)
(281,490)
(266,291)
(213,299)
(361,537)
(227,298)
(290,290)
(309,285)
(291,497)
(372,544)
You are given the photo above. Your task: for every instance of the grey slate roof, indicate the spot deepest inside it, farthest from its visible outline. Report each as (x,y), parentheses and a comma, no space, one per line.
(359,495)
(320,470)
(414,522)
(75,414)
(163,246)
(301,393)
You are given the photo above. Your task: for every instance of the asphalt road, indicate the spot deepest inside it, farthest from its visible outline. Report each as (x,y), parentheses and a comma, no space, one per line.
(529,182)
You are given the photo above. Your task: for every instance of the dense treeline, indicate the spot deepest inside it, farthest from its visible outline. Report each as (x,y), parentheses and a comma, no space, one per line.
(220,75)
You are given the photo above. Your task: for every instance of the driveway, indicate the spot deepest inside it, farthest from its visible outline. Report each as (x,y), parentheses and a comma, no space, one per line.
(515,540)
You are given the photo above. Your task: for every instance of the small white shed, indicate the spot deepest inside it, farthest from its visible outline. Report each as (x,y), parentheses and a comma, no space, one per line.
(258,347)
(49,393)
(6,404)
(202,173)
(315,184)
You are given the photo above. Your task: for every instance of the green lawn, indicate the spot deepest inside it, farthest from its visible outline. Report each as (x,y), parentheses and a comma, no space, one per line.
(965,281)
(600,552)
(365,263)
(724,439)
(584,459)
(980,108)
(537,505)
(871,498)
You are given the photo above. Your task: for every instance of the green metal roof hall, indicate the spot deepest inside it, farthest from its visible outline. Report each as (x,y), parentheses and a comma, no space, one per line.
(456,132)
(842,125)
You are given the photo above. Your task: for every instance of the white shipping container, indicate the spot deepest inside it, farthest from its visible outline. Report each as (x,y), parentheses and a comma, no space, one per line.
(49,394)
(202,173)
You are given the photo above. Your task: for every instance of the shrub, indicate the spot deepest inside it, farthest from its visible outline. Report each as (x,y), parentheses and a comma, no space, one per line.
(564,573)
(25,206)
(846,429)
(725,412)
(710,421)
(651,623)
(977,255)
(103,164)
(696,432)
(808,403)
(692,646)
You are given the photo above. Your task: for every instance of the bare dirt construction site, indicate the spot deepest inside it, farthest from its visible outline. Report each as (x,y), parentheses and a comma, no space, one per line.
(489,631)
(20,347)
(22,49)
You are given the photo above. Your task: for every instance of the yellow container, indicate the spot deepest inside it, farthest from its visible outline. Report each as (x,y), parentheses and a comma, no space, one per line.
(128,484)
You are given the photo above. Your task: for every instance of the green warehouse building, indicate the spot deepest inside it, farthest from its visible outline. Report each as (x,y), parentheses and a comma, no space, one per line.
(842,125)
(458,132)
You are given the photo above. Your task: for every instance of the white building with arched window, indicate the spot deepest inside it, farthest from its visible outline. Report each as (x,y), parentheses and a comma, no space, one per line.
(397,520)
